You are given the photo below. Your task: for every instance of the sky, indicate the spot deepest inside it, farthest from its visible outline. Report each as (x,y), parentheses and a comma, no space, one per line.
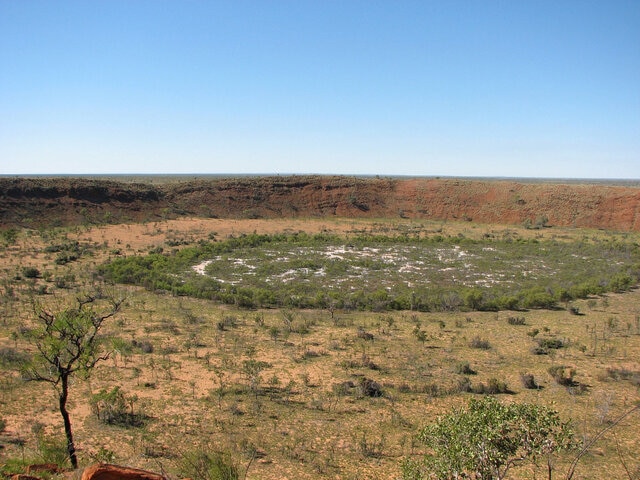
(464,88)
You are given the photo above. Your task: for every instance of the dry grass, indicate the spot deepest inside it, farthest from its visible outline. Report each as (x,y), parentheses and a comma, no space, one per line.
(302,418)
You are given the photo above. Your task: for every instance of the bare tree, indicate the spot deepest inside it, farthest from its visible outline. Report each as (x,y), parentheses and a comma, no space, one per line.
(68,342)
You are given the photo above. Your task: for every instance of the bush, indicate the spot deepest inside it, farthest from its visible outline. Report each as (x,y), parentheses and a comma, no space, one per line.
(201,465)
(563,375)
(516,321)
(486,439)
(114,408)
(533,332)
(529,382)
(369,448)
(463,368)
(547,344)
(145,346)
(53,450)
(12,357)
(493,387)
(480,343)
(370,388)
(551,343)
(632,376)
(30,272)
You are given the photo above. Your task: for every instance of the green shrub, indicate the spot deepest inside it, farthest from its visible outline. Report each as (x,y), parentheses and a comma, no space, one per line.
(52,449)
(30,272)
(205,465)
(546,344)
(112,407)
(492,387)
(486,439)
(463,368)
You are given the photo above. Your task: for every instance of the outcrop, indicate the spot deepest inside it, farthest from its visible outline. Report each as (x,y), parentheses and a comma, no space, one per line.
(45,202)
(105,471)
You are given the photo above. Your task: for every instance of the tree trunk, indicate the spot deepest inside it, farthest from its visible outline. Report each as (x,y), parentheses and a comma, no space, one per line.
(71,448)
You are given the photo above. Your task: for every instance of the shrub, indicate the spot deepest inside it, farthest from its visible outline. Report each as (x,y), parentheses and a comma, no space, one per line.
(480,343)
(563,375)
(493,387)
(529,382)
(464,368)
(533,332)
(551,343)
(486,439)
(516,321)
(114,408)
(52,450)
(205,465)
(370,388)
(537,297)
(546,344)
(145,346)
(30,272)
(632,376)
(228,321)
(369,448)
(11,357)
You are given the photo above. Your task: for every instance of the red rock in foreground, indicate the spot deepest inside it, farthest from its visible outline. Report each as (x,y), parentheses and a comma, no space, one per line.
(105,471)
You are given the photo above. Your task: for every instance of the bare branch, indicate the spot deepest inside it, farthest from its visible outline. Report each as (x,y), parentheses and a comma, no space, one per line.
(585,449)
(624,465)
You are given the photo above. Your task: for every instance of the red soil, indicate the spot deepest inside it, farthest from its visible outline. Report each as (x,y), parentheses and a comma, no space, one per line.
(42,202)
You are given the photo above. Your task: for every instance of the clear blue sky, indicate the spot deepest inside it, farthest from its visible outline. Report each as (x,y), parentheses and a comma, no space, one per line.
(452,88)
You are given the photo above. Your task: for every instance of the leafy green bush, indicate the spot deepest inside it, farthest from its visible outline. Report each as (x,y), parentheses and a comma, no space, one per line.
(486,439)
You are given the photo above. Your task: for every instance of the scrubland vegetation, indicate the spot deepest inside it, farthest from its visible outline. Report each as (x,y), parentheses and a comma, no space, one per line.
(379,273)
(328,349)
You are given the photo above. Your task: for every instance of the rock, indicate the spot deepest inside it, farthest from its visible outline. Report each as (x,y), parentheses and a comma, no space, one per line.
(105,471)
